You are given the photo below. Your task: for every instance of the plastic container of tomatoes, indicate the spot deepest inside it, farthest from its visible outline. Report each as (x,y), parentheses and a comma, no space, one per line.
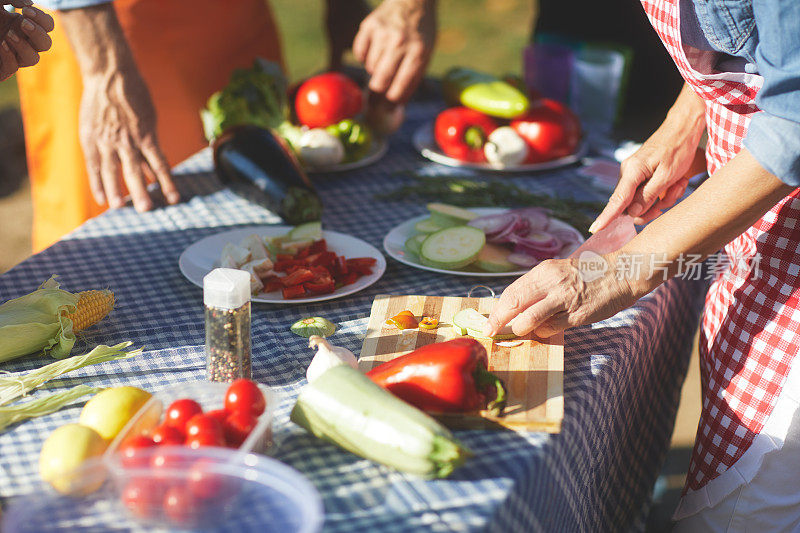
(205,489)
(211,397)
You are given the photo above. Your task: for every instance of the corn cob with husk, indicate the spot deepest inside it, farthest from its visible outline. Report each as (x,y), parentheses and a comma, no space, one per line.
(45,320)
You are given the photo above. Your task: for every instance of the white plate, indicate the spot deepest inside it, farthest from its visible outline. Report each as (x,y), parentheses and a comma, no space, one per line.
(201,257)
(376,151)
(395,240)
(426,145)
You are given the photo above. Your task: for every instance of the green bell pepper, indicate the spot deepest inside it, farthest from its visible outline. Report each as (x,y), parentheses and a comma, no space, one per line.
(483,92)
(355,137)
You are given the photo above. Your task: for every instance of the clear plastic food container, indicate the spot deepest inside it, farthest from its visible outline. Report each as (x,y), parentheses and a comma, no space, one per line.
(210,488)
(210,395)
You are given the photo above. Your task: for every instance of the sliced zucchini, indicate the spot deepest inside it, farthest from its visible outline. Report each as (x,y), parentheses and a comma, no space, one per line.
(449,215)
(470,322)
(427,226)
(452,248)
(310,231)
(414,244)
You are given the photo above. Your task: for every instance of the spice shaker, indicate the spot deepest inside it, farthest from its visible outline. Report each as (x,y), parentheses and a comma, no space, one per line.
(226,294)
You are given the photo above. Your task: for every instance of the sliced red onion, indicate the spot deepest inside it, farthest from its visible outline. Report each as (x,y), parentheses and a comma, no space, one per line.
(494,224)
(523,260)
(565,235)
(538,245)
(508,232)
(538,217)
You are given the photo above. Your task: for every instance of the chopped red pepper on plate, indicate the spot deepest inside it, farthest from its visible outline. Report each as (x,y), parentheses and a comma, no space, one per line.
(449,376)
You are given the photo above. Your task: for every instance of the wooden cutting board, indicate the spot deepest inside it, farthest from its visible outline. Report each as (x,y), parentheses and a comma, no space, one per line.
(533,371)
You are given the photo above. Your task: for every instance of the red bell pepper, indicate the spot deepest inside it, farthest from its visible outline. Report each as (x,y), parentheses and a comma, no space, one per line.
(461,133)
(549,129)
(447,377)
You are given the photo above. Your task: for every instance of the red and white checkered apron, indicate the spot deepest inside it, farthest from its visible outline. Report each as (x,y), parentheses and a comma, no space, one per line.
(751,324)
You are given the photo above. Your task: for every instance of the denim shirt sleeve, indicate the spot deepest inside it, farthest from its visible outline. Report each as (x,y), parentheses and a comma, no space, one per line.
(774,134)
(69,4)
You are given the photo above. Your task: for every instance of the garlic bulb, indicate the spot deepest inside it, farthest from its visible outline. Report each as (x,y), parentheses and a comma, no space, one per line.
(505,148)
(327,356)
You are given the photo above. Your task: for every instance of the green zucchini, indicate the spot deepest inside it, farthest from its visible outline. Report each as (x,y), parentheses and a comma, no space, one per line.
(413,244)
(446,216)
(470,322)
(344,407)
(452,248)
(427,226)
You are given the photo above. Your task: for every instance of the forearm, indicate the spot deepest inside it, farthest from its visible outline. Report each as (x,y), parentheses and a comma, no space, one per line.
(97,39)
(722,208)
(688,113)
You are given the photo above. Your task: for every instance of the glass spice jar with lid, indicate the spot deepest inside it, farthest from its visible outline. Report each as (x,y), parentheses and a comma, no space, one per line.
(226,294)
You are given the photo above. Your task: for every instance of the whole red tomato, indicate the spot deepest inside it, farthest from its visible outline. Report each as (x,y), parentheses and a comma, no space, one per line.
(181,507)
(180,411)
(326,99)
(244,395)
(131,454)
(204,430)
(550,129)
(165,435)
(238,426)
(141,497)
(207,481)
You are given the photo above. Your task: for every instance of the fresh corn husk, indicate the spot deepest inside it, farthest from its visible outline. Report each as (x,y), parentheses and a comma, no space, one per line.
(42,321)
(15,386)
(45,405)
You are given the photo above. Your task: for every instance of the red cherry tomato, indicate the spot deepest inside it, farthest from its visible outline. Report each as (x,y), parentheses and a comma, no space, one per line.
(131,454)
(141,498)
(550,129)
(206,482)
(180,411)
(180,506)
(244,395)
(238,426)
(326,99)
(219,414)
(165,435)
(204,430)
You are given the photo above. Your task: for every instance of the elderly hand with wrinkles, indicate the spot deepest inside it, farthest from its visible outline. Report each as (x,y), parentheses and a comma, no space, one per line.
(25,36)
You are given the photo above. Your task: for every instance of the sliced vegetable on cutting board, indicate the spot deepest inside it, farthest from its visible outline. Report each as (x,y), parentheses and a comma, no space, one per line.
(471,322)
(403,320)
(531,368)
(346,408)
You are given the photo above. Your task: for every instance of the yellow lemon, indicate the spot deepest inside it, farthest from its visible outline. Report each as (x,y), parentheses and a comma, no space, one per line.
(109,410)
(64,451)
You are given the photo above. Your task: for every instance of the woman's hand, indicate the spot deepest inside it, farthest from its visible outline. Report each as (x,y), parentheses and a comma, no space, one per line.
(26,37)
(117,117)
(395,43)
(654,177)
(556,295)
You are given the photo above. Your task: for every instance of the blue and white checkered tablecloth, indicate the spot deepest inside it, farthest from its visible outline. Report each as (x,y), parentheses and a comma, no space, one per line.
(621,385)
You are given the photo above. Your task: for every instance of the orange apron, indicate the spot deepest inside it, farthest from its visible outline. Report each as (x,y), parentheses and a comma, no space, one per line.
(185,50)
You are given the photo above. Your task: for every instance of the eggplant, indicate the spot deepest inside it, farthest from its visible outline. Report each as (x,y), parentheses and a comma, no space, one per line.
(257,165)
